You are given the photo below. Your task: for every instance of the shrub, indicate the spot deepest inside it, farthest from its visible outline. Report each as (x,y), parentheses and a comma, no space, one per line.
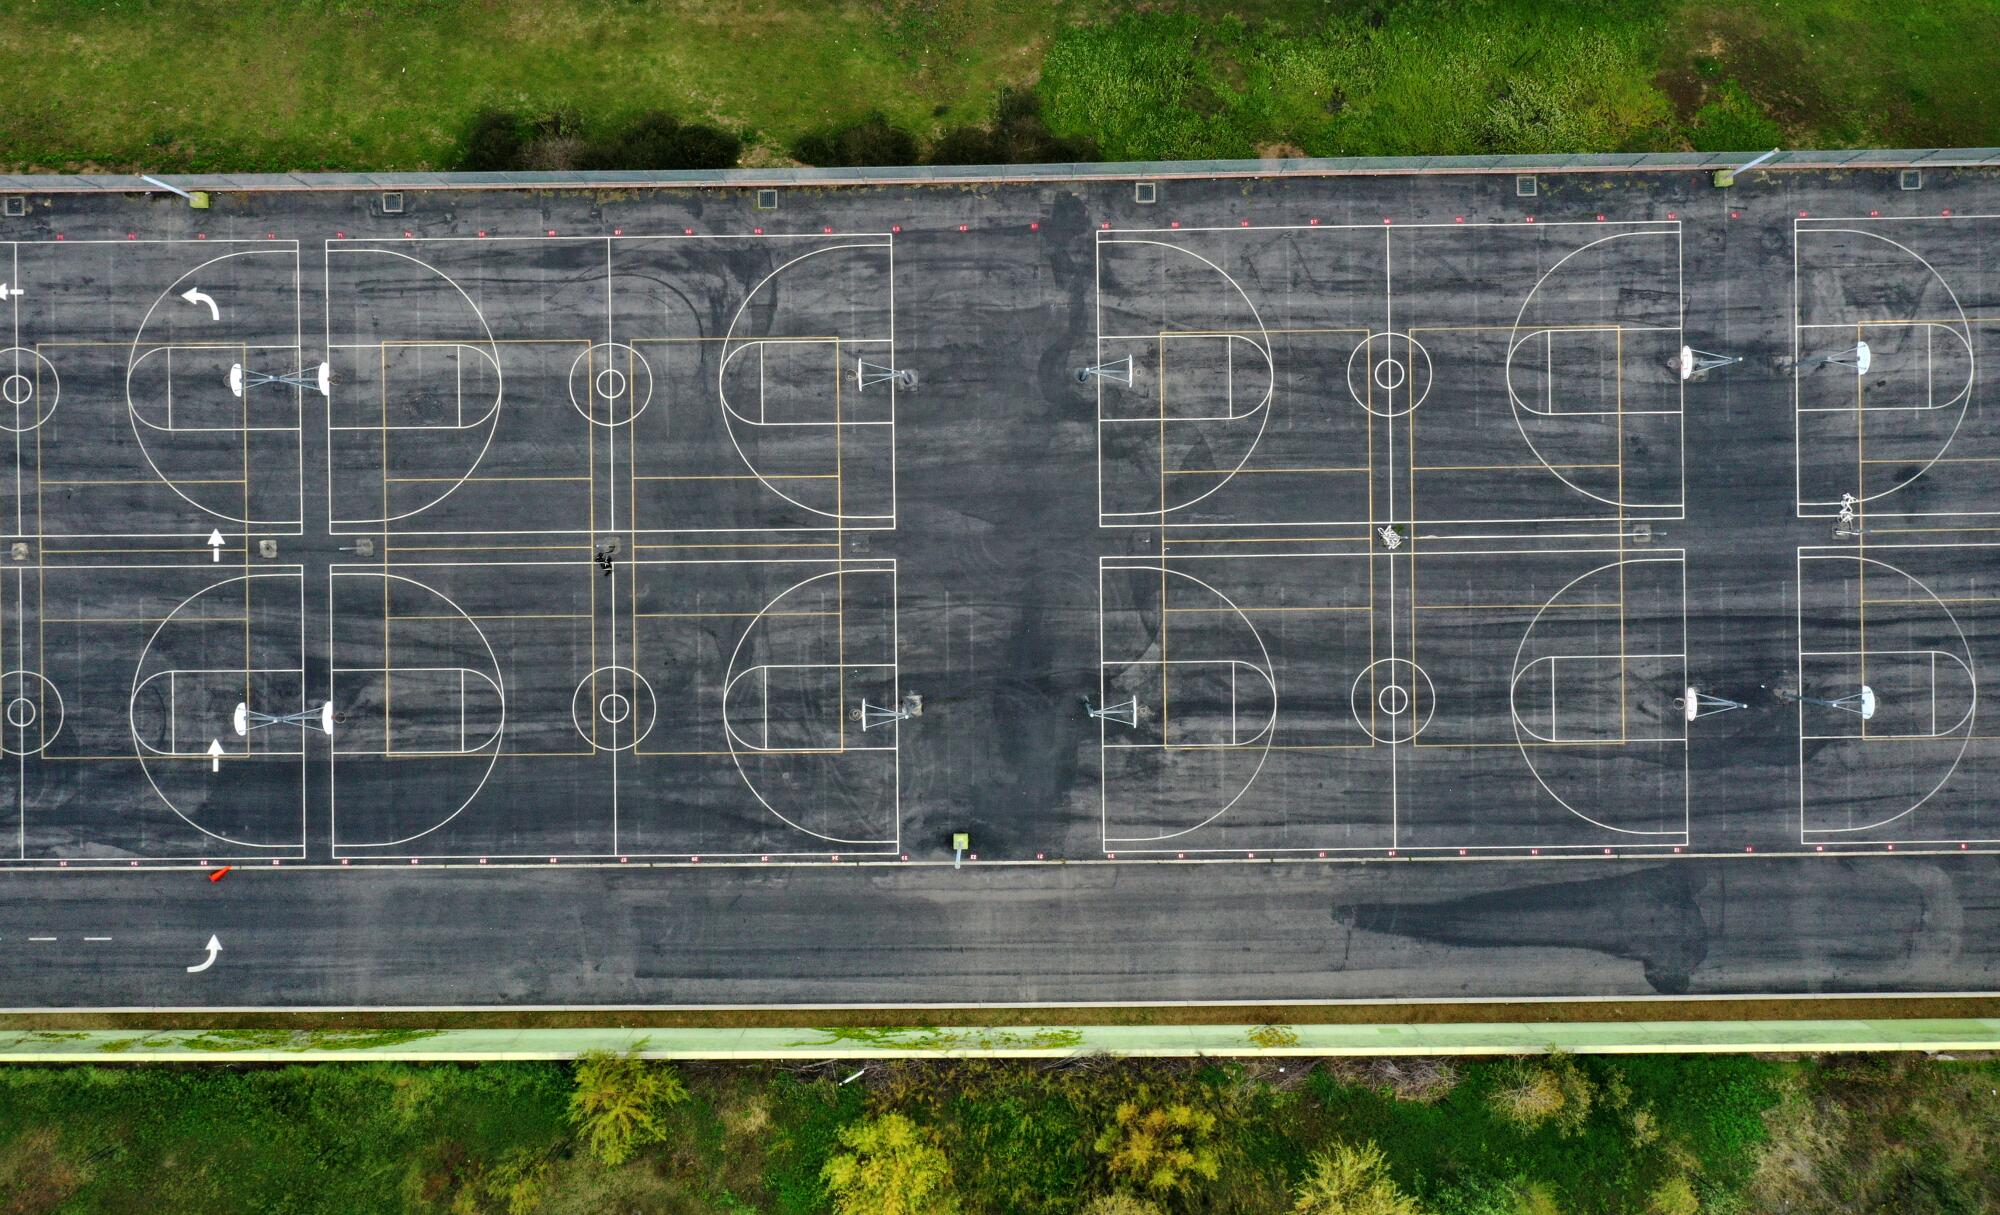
(1552,1090)
(1119,1203)
(620,1103)
(1162,1149)
(1675,1197)
(872,141)
(1350,1180)
(892,1167)
(1017,135)
(658,140)
(494,143)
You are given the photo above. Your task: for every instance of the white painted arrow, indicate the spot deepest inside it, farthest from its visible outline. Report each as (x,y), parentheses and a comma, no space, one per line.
(193,296)
(214,948)
(15,292)
(215,545)
(215,755)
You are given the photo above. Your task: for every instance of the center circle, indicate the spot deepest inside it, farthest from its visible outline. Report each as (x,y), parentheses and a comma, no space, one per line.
(30,700)
(611,383)
(1389,374)
(17,388)
(1392,700)
(613,708)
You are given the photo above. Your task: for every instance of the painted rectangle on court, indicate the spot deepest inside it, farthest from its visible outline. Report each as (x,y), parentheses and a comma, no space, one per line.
(1892,321)
(151,388)
(646,384)
(1346,701)
(134,708)
(1892,744)
(1543,388)
(680,707)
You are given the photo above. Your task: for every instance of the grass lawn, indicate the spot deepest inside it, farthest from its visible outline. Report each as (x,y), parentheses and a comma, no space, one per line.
(252,85)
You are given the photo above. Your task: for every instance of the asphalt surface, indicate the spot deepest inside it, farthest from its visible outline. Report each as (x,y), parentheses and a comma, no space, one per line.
(1292,588)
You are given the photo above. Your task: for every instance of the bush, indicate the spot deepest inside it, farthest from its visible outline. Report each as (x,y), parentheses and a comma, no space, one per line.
(1162,1149)
(892,1167)
(1351,1180)
(1119,1203)
(872,141)
(1675,1197)
(658,140)
(620,1103)
(494,143)
(1017,136)
(1550,1091)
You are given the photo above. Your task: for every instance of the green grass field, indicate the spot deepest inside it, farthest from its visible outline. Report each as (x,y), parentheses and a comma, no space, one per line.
(1588,1136)
(250,85)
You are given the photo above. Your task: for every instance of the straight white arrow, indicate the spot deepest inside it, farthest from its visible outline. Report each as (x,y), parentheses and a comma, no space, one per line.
(193,296)
(214,948)
(215,545)
(215,755)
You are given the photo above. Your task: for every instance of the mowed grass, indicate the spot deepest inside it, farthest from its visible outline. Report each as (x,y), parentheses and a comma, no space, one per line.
(271,85)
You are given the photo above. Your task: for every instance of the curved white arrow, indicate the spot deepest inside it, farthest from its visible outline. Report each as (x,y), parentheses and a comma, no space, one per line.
(193,296)
(214,950)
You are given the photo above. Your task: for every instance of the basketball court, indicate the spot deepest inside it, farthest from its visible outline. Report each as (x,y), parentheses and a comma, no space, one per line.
(1042,588)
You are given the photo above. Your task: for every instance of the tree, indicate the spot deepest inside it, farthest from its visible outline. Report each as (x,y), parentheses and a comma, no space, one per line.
(620,1103)
(892,1166)
(1162,1149)
(1350,1180)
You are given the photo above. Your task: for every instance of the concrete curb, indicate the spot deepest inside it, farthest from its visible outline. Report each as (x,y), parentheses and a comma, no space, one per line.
(1629,162)
(1044,1042)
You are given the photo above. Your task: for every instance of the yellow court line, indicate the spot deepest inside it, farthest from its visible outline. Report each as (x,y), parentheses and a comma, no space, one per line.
(1281,540)
(1509,607)
(1502,467)
(145,620)
(719,615)
(742,477)
(471,480)
(148,481)
(1204,472)
(1226,611)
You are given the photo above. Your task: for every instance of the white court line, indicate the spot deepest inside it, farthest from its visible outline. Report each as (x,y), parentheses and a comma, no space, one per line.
(1798,319)
(1823,553)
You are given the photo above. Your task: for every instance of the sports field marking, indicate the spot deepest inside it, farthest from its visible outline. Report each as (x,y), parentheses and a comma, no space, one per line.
(1814,342)
(1962,727)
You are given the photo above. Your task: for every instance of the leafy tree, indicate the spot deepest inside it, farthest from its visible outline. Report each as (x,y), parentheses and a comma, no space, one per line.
(1163,1149)
(1350,1180)
(620,1103)
(892,1166)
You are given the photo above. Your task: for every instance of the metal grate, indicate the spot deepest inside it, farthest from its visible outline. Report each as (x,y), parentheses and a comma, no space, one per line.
(1524,185)
(392,202)
(1146,192)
